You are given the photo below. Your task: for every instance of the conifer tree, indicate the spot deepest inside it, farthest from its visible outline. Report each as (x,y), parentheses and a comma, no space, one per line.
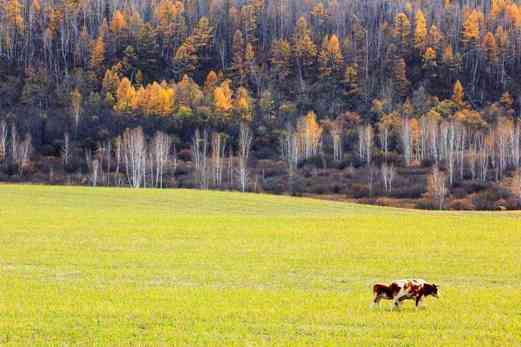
(420,32)
(280,58)
(330,58)
(185,60)
(458,93)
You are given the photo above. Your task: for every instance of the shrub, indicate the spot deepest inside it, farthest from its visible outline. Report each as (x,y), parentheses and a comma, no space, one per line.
(314,162)
(490,198)
(185,154)
(359,191)
(424,204)
(461,205)
(408,191)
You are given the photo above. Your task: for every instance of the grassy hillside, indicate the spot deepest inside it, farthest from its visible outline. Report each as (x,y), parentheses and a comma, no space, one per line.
(114,266)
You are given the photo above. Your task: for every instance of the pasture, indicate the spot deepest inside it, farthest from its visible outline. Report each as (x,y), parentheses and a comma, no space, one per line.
(84,266)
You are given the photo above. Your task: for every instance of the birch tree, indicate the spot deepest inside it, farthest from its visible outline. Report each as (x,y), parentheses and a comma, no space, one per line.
(438,187)
(200,158)
(134,153)
(159,148)
(289,152)
(24,150)
(217,159)
(388,174)
(365,143)
(93,168)
(245,141)
(3,140)
(66,150)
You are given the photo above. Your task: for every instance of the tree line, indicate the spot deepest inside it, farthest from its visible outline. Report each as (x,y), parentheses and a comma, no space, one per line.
(427,81)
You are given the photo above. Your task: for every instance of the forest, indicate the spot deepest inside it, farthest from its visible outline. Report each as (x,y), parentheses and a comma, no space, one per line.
(381,101)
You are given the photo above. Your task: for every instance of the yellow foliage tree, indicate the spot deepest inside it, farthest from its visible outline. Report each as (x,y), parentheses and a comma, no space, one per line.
(242,105)
(211,81)
(168,15)
(309,134)
(429,58)
(351,81)
(434,37)
(401,83)
(303,46)
(330,58)
(13,13)
(118,23)
(402,29)
(185,60)
(98,53)
(125,96)
(280,58)
(471,28)
(420,32)
(489,46)
(458,93)
(223,98)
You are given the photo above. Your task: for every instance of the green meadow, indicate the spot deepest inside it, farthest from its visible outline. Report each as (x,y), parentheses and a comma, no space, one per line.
(115,267)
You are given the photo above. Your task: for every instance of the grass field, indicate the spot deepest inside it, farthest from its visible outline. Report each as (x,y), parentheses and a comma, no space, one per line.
(83,266)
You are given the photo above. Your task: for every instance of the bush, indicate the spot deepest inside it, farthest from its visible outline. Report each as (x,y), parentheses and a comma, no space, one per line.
(314,162)
(408,191)
(427,163)
(359,191)
(185,154)
(340,165)
(461,205)
(425,205)
(513,203)
(491,199)
(319,188)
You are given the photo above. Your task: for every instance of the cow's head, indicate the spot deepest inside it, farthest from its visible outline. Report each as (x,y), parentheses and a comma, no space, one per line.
(431,289)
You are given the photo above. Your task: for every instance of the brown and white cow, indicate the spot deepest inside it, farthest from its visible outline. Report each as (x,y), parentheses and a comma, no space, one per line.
(398,291)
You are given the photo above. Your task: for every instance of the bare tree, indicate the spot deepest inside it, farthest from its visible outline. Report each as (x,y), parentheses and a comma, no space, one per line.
(383,136)
(406,140)
(371,178)
(502,147)
(200,158)
(289,152)
(14,144)
(108,161)
(134,154)
(388,174)
(230,167)
(336,130)
(24,150)
(438,187)
(160,150)
(66,150)
(516,185)
(117,155)
(472,157)
(217,162)
(433,129)
(450,150)
(3,140)
(93,167)
(365,143)
(101,151)
(245,141)
(516,145)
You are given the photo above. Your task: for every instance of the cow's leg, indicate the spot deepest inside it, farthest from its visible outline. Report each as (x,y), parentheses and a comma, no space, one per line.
(396,302)
(418,300)
(376,300)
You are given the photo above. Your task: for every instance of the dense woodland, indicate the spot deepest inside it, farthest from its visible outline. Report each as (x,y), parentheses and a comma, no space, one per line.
(365,99)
